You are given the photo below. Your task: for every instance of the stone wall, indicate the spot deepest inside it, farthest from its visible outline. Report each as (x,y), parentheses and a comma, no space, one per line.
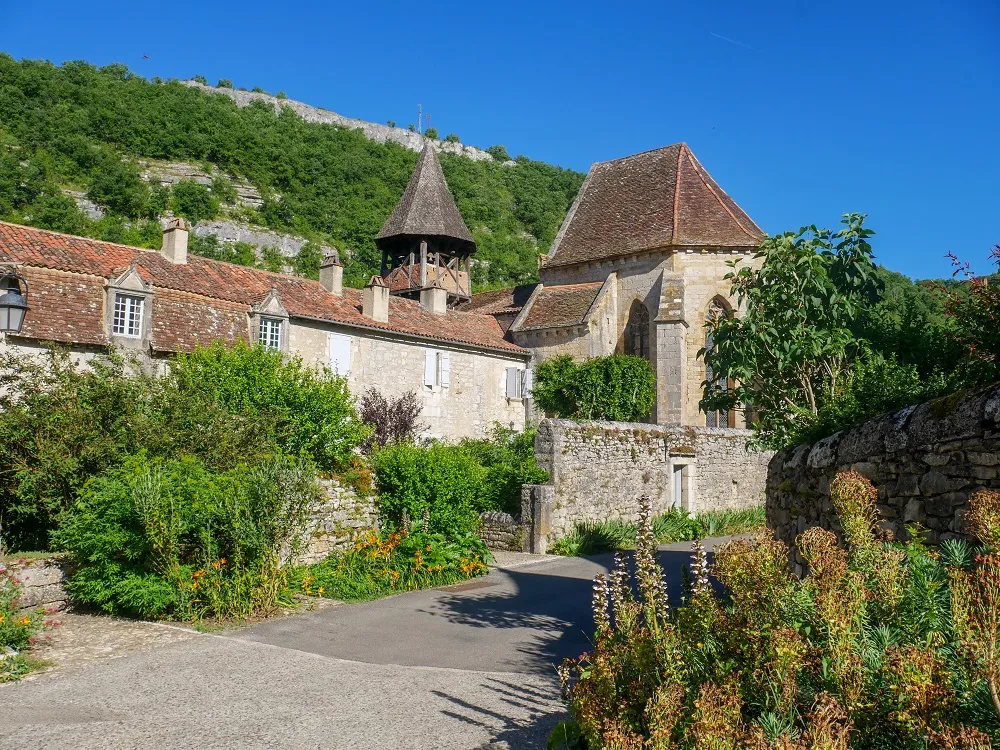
(501,531)
(334,523)
(41,580)
(598,470)
(925,461)
(372,131)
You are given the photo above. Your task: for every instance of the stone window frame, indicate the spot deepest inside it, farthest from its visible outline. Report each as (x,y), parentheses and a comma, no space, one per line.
(637,343)
(129,284)
(270,309)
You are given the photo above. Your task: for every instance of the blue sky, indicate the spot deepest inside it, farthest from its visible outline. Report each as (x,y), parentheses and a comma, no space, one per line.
(801,109)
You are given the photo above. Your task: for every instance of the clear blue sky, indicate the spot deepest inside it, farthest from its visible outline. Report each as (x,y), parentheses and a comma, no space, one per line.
(801,109)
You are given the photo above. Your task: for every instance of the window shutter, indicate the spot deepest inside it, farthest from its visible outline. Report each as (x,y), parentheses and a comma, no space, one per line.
(340,353)
(513,380)
(430,366)
(445,369)
(528,383)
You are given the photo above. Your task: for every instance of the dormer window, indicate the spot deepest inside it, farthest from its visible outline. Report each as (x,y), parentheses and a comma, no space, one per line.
(270,333)
(128,316)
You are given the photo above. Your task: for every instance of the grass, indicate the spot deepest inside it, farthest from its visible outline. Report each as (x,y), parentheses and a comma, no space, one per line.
(18,556)
(673,526)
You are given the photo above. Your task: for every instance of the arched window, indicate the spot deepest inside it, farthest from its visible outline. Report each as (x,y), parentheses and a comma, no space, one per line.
(637,331)
(716,309)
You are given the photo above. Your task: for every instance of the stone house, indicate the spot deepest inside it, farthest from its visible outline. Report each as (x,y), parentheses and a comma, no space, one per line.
(637,267)
(90,295)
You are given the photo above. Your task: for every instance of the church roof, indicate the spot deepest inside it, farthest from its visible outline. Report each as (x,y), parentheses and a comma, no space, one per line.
(559,306)
(500,301)
(427,208)
(655,199)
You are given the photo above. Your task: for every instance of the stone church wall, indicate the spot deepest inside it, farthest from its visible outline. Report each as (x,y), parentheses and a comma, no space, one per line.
(925,461)
(598,470)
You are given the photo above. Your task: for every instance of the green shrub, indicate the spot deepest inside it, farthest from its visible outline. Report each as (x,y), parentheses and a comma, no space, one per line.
(388,563)
(509,459)
(881,645)
(443,480)
(17,629)
(162,538)
(620,388)
(193,201)
(312,412)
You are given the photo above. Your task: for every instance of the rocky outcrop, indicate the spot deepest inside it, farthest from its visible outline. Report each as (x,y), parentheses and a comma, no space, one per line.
(372,131)
(231,231)
(169,173)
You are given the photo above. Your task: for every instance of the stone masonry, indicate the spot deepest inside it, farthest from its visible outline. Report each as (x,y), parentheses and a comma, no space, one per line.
(41,581)
(598,470)
(336,521)
(925,461)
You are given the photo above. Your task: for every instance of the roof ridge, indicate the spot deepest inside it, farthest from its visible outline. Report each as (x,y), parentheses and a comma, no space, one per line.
(682,144)
(702,173)
(79,237)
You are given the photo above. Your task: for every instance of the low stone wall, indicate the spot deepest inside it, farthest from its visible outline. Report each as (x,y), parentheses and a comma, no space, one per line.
(925,460)
(598,470)
(335,522)
(501,531)
(41,581)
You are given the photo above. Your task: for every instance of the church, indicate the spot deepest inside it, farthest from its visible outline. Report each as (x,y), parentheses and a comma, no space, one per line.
(637,267)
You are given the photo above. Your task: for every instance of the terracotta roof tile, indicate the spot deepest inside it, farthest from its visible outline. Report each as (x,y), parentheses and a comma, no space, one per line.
(655,199)
(500,301)
(216,291)
(564,305)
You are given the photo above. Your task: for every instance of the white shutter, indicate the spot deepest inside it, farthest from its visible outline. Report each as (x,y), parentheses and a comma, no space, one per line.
(340,353)
(513,381)
(430,366)
(445,369)
(528,383)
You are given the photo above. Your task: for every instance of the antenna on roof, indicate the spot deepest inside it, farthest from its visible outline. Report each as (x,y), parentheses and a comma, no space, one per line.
(420,118)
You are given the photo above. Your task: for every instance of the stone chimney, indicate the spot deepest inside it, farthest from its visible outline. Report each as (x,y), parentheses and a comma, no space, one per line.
(434,300)
(375,300)
(175,241)
(331,274)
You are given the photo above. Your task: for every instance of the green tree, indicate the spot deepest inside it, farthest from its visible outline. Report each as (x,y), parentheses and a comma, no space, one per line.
(621,388)
(431,133)
(498,152)
(194,201)
(452,138)
(788,348)
(117,186)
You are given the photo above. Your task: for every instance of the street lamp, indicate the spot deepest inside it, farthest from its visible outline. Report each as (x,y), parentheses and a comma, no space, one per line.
(13,301)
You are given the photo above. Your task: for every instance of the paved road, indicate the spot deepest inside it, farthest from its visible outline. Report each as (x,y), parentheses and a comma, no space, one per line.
(465,667)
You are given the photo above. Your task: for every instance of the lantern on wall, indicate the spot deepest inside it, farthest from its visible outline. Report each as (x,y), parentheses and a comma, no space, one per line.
(13,301)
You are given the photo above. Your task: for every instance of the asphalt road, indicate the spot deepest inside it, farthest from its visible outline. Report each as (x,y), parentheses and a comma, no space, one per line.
(464,667)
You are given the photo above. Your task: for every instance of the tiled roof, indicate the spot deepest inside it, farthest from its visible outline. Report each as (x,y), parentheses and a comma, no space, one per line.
(209,300)
(650,200)
(427,208)
(500,301)
(564,305)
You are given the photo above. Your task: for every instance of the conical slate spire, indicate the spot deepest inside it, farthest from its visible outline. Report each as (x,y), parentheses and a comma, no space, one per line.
(426,210)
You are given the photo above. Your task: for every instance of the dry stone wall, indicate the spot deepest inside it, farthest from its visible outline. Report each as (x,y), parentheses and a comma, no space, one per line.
(925,461)
(41,582)
(336,521)
(598,470)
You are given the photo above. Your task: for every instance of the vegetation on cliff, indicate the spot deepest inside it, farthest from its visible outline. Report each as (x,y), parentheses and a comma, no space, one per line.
(82,128)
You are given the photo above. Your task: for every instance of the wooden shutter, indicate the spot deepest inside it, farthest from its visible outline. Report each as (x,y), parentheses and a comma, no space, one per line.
(340,353)
(430,366)
(513,381)
(527,383)
(445,369)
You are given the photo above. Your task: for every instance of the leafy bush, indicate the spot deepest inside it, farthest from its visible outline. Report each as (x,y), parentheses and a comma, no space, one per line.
(194,201)
(17,629)
(620,388)
(443,480)
(676,525)
(431,132)
(392,420)
(455,483)
(881,645)
(509,459)
(171,538)
(64,424)
(312,412)
(388,563)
